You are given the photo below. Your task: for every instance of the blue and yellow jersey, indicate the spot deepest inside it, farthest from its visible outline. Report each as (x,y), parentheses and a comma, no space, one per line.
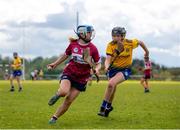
(17,64)
(125,58)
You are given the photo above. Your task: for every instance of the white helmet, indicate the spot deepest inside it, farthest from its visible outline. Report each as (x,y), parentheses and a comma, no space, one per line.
(83,30)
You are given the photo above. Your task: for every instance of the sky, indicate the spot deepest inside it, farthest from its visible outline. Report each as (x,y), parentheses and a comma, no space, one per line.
(42,27)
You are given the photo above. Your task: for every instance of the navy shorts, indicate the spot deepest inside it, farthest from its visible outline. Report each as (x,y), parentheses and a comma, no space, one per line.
(17,73)
(78,86)
(113,71)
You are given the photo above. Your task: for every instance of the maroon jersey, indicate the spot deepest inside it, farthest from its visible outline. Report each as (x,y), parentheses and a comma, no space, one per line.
(147,70)
(77,69)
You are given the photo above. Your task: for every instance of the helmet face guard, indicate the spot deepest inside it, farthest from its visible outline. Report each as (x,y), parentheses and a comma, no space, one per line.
(119,31)
(82,32)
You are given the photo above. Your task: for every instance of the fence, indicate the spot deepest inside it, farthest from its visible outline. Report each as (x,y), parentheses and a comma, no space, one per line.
(104,77)
(132,77)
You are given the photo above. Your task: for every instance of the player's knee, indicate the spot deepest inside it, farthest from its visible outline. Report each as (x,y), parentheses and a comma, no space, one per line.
(142,80)
(111,85)
(63,93)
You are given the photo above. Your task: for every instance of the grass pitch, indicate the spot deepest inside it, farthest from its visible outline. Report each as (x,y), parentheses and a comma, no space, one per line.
(132,107)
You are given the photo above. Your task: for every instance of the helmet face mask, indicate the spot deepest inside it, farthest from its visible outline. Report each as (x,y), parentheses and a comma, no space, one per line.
(118,31)
(86,33)
(119,35)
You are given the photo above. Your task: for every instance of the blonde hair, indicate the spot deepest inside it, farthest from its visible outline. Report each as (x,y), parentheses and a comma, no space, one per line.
(73,38)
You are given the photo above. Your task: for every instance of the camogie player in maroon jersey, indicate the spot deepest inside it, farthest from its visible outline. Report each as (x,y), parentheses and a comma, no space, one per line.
(76,74)
(147,74)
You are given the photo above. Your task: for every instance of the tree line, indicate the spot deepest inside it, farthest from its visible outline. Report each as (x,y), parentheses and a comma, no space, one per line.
(41,63)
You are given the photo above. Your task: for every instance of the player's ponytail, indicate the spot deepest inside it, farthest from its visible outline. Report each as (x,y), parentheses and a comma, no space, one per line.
(72,39)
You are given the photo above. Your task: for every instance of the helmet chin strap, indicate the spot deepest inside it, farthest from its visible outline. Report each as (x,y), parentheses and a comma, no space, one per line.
(84,39)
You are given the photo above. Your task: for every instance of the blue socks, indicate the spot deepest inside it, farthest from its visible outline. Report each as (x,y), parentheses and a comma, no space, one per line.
(106,104)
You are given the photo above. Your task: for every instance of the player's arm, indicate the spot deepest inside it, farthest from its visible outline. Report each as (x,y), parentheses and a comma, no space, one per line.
(107,62)
(98,67)
(109,54)
(61,59)
(143,46)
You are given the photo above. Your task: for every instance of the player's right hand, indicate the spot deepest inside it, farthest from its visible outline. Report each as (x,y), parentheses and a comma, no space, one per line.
(106,69)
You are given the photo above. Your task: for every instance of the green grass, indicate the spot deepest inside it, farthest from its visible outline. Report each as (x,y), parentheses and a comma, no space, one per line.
(132,107)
